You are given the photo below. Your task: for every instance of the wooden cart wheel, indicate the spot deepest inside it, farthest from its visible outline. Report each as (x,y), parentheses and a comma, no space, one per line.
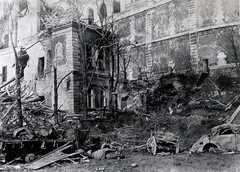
(30,157)
(152,145)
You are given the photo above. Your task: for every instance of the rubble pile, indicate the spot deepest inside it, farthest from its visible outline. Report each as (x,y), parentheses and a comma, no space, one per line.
(163,117)
(185,104)
(35,115)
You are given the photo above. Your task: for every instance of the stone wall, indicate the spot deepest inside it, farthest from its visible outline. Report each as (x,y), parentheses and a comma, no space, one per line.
(181,33)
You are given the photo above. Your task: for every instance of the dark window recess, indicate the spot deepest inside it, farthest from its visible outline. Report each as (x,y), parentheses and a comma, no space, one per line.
(103,10)
(89,56)
(6,41)
(90,98)
(90,16)
(101,60)
(102,97)
(68,85)
(4,74)
(116,6)
(41,66)
(97,100)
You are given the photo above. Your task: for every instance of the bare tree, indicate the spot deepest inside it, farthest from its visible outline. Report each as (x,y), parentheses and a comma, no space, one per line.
(126,58)
(228,41)
(7,25)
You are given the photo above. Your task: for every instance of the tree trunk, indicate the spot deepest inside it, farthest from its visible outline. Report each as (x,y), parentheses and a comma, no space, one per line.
(111,84)
(18,84)
(55,96)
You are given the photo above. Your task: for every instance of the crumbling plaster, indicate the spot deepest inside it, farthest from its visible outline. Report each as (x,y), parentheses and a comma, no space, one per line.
(158,25)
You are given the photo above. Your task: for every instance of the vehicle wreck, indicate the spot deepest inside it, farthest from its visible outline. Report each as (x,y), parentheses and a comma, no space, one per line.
(223,138)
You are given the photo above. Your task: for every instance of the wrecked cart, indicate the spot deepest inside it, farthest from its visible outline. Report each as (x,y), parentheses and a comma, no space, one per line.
(24,145)
(163,142)
(28,150)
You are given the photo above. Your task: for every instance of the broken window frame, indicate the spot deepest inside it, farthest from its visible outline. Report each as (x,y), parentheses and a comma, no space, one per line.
(97,98)
(23,8)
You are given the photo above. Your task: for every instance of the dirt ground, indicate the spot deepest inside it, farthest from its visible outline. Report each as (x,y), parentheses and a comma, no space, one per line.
(145,162)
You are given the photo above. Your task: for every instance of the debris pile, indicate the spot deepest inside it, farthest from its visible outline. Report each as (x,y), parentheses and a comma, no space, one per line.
(186,104)
(36,116)
(163,117)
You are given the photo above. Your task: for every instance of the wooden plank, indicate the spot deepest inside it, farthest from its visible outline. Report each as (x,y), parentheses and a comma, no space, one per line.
(52,157)
(9,110)
(11,80)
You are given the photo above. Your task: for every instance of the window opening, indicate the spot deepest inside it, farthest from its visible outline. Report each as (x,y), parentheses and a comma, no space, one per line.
(102,98)
(6,41)
(103,10)
(59,51)
(4,74)
(90,16)
(91,98)
(23,8)
(101,60)
(68,84)
(116,6)
(89,56)
(41,66)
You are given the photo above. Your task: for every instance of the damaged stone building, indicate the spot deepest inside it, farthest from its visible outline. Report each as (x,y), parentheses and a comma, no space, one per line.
(181,34)
(54,55)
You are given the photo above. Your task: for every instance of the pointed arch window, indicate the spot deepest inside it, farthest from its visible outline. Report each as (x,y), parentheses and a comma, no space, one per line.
(103,10)
(90,16)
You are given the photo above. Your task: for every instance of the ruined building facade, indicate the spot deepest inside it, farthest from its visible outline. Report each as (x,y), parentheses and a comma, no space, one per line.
(59,50)
(180,34)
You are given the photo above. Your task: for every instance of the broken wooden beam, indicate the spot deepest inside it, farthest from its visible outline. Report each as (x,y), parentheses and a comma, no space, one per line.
(52,157)
(10,81)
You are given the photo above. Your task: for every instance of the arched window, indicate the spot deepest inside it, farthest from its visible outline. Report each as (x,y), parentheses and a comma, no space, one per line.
(116,6)
(103,10)
(90,16)
(59,51)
